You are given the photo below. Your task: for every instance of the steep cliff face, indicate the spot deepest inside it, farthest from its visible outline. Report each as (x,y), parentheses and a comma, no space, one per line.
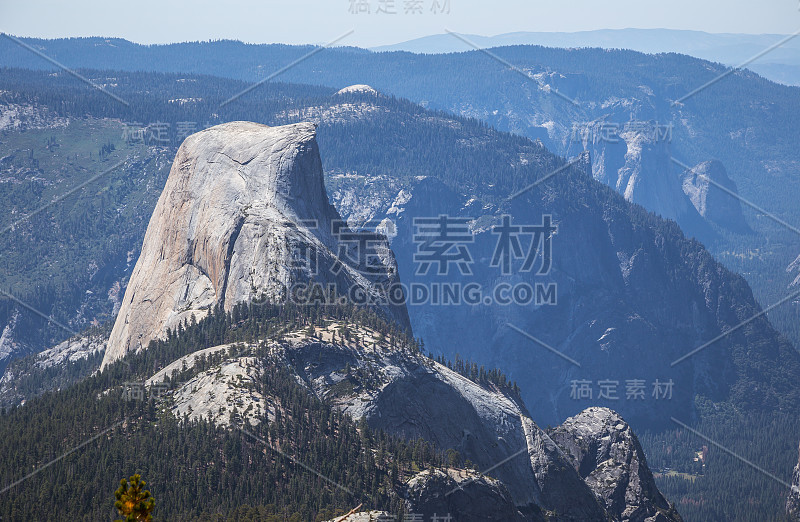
(639,163)
(648,177)
(244,215)
(608,456)
(714,195)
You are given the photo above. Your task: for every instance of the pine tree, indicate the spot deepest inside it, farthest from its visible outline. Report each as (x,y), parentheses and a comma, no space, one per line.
(133,501)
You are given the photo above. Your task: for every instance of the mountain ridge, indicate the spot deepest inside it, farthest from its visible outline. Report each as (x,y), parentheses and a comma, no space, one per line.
(728,48)
(388,385)
(383,126)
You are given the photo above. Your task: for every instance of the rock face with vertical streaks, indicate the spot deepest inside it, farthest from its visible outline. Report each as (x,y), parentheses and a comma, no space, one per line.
(714,195)
(244,215)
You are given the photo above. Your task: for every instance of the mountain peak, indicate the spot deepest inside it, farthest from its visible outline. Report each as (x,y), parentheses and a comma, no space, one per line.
(358,88)
(244,215)
(274,166)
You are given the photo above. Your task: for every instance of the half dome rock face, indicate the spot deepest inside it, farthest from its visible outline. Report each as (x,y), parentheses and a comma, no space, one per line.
(244,215)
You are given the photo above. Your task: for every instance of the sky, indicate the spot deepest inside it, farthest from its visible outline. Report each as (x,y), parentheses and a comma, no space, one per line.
(323,21)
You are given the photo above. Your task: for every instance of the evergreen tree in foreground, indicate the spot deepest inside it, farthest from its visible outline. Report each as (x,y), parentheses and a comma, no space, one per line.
(133,501)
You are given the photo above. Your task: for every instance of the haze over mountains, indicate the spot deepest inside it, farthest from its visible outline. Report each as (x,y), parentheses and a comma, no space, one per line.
(781,65)
(641,139)
(635,293)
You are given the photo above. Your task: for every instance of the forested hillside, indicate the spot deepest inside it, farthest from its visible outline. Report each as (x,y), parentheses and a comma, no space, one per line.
(195,468)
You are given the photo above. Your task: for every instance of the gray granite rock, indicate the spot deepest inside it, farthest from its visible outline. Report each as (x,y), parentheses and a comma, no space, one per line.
(608,456)
(243,212)
(409,395)
(461,494)
(713,194)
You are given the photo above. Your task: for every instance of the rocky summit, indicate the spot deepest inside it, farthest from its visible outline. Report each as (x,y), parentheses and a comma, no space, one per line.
(590,468)
(608,456)
(244,216)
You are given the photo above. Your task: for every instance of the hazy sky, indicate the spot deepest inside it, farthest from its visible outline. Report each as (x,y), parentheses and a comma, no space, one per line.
(305,21)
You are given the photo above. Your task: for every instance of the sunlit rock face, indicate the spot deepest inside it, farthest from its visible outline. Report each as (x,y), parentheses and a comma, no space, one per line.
(608,456)
(244,215)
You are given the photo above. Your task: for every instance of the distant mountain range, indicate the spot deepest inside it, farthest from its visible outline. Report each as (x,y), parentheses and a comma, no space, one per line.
(745,125)
(780,65)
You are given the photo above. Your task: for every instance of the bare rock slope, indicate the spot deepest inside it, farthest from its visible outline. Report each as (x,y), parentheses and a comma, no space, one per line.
(244,215)
(608,456)
(410,395)
(464,495)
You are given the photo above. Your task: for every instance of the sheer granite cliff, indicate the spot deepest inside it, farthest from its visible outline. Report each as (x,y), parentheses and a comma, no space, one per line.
(243,210)
(714,195)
